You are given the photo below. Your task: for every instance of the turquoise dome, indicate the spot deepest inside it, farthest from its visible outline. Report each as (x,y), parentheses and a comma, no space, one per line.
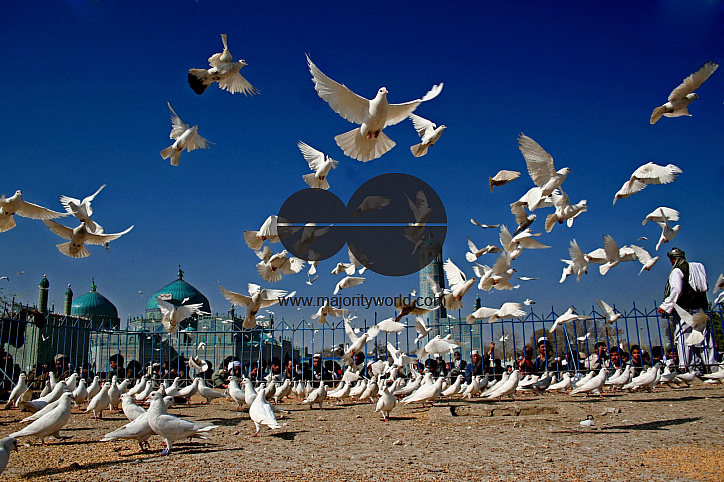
(93,304)
(175,293)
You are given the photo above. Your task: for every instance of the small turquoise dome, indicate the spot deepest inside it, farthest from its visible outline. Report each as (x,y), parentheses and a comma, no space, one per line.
(175,293)
(93,304)
(44,283)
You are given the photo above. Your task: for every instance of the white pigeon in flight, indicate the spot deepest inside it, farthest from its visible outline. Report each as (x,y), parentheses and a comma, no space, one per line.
(372,203)
(661,214)
(83,210)
(569,315)
(429,133)
(319,163)
(325,310)
(667,231)
(224,71)
(348,282)
(459,285)
(366,142)
(421,328)
(474,253)
(258,298)
(267,232)
(698,321)
(502,177)
(541,170)
(278,264)
(186,137)
(644,257)
(649,173)
(608,312)
(565,211)
(357,343)
(681,97)
(79,236)
(507,310)
(172,315)
(16,205)
(514,245)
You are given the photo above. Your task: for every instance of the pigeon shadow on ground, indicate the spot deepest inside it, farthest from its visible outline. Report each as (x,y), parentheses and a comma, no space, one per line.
(683,399)
(76,467)
(225,422)
(657,425)
(290,435)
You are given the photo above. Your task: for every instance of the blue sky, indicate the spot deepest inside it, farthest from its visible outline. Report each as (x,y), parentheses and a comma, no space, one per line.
(84,104)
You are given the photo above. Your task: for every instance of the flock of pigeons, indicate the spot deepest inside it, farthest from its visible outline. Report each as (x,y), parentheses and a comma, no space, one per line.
(87,232)
(52,410)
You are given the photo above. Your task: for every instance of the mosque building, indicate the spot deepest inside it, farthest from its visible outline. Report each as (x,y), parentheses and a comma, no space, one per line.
(88,331)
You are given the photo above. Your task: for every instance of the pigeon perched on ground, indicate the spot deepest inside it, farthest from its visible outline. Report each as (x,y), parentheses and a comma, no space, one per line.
(208,393)
(429,133)
(49,425)
(317,395)
(7,445)
(186,137)
(262,413)
(78,237)
(507,388)
(386,402)
(594,384)
(319,163)
(366,142)
(16,205)
(171,428)
(426,393)
(130,408)
(17,390)
(100,402)
(138,429)
(224,71)
(681,97)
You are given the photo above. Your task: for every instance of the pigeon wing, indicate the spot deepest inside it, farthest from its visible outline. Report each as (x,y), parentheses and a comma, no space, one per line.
(539,162)
(340,98)
(398,112)
(694,81)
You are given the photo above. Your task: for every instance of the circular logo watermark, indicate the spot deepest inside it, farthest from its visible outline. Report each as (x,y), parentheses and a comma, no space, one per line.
(394,224)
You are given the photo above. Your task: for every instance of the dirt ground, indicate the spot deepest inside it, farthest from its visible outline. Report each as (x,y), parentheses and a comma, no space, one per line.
(667,435)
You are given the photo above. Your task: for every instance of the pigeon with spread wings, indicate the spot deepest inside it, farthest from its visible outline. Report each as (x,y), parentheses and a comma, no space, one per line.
(366,142)
(16,205)
(683,95)
(224,71)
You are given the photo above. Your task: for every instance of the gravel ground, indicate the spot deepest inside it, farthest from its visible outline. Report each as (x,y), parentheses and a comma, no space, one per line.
(667,435)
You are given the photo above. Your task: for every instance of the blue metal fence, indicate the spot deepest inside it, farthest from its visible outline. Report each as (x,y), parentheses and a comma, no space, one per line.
(38,343)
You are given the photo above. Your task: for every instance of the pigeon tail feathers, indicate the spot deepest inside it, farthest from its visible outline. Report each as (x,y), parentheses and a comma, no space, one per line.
(357,146)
